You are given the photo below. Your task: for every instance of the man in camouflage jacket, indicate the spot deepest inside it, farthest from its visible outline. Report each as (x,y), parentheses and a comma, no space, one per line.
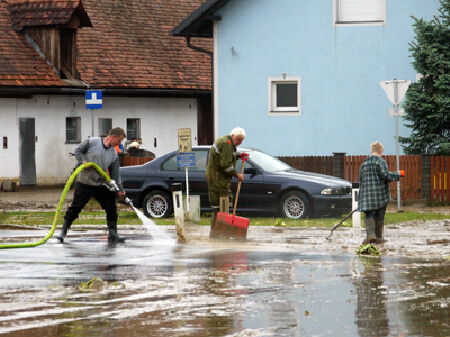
(374,179)
(221,168)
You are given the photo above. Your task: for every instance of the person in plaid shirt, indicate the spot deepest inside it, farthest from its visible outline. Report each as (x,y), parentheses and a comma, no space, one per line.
(374,179)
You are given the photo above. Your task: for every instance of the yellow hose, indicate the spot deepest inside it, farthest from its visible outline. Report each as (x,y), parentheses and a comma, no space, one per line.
(58,209)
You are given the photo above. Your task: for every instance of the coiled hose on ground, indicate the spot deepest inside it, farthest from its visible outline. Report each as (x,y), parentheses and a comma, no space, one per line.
(58,208)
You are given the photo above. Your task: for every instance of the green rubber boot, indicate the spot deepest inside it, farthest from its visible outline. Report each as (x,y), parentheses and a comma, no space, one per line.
(379,229)
(370,230)
(65,228)
(112,229)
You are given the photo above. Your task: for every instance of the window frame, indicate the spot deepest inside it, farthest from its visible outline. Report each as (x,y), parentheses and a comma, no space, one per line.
(338,22)
(272,96)
(137,131)
(100,131)
(77,130)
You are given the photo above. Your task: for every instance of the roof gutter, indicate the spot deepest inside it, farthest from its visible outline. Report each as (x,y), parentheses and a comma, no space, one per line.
(21,92)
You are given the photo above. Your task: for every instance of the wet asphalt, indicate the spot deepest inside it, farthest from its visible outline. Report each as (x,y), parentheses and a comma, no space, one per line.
(280,282)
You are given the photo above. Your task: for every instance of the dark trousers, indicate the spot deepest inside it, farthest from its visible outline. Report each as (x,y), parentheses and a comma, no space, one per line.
(83,193)
(377,214)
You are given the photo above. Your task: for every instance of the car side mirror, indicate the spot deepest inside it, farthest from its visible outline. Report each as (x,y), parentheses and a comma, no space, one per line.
(251,170)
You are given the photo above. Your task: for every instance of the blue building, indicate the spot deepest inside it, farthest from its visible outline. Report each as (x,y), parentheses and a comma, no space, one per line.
(303,77)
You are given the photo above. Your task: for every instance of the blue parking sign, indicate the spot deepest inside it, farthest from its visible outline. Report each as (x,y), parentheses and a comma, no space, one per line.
(93,99)
(186,159)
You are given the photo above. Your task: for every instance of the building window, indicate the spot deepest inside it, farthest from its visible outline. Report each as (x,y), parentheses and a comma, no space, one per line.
(133,128)
(284,96)
(73,129)
(348,12)
(104,125)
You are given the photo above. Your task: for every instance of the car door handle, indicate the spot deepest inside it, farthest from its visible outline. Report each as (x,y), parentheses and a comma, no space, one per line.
(171,177)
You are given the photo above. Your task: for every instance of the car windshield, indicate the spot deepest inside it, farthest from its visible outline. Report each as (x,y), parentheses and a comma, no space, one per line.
(267,162)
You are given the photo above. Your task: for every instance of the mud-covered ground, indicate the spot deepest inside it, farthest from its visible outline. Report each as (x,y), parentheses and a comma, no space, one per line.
(282,281)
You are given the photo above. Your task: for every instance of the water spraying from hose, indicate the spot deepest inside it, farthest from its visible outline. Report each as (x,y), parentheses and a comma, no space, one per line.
(158,233)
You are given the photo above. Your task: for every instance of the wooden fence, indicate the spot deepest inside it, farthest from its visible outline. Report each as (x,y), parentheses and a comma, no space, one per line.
(317,164)
(129,161)
(430,181)
(440,179)
(410,184)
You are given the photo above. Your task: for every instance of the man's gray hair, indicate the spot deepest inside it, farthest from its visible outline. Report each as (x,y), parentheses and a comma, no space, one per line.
(238,132)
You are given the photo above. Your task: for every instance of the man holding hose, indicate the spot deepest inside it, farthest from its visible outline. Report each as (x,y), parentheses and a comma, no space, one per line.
(221,169)
(90,183)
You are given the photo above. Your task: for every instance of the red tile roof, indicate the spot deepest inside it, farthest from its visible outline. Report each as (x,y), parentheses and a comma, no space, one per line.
(129,46)
(20,64)
(45,12)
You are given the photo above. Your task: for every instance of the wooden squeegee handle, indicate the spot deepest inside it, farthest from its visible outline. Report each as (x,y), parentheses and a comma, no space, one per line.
(238,189)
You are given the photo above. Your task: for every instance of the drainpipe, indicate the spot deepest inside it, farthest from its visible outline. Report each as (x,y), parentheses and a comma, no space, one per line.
(210,54)
(202,50)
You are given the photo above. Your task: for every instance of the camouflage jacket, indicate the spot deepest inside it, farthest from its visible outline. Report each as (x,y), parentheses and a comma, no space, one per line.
(221,166)
(374,179)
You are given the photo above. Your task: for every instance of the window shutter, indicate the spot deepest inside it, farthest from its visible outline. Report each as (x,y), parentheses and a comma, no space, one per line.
(360,10)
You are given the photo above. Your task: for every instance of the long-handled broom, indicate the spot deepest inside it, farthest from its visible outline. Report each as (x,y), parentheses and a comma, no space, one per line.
(340,223)
(231,225)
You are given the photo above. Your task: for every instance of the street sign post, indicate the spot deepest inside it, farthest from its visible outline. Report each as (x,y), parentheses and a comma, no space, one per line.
(395,91)
(94,101)
(185,157)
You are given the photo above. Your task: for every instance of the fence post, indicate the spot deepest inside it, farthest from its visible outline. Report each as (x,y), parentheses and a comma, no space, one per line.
(338,164)
(426,178)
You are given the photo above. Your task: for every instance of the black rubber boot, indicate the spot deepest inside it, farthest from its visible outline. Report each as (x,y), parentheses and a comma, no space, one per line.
(379,226)
(65,228)
(370,230)
(113,236)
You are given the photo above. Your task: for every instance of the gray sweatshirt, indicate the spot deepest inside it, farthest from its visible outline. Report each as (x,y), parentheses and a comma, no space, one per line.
(93,150)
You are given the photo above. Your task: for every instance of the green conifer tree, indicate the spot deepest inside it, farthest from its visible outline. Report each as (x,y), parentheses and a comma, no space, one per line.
(427,102)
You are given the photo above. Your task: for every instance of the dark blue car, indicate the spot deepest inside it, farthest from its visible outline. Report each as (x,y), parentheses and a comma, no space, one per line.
(270,187)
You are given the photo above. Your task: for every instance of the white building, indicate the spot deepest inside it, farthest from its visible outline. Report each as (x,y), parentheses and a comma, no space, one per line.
(152,83)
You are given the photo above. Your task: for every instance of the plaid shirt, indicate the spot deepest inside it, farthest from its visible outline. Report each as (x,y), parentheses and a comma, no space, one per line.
(374,178)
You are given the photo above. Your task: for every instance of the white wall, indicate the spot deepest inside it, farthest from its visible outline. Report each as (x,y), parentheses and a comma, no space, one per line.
(160,118)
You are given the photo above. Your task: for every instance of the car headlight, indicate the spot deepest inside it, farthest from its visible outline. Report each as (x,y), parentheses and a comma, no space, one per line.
(336,191)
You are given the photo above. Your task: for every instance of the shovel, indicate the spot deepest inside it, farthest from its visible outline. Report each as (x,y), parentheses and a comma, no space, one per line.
(339,223)
(231,225)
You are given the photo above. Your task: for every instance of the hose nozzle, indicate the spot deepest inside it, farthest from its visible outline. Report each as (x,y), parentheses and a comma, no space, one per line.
(111,184)
(128,201)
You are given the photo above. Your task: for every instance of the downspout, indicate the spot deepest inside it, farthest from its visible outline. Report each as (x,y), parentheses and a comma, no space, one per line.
(211,55)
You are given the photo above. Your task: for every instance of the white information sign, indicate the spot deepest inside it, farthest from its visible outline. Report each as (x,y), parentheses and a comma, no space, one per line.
(397,112)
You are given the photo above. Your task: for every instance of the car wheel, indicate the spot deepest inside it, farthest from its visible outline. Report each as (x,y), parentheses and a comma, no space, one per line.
(294,205)
(157,204)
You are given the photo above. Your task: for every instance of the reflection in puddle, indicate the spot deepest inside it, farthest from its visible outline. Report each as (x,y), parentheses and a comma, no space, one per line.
(157,289)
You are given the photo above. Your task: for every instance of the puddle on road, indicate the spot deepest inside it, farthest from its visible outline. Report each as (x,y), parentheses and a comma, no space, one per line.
(160,289)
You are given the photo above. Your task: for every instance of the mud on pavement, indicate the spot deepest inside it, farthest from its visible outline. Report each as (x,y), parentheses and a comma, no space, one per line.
(282,281)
